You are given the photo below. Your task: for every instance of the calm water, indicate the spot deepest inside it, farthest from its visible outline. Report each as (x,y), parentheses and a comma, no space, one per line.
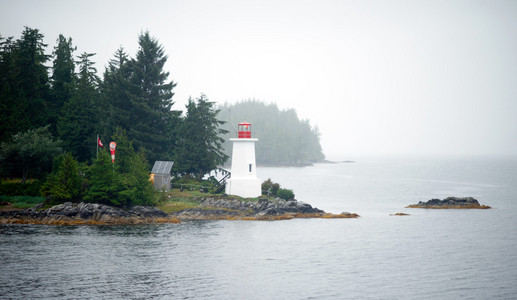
(431,254)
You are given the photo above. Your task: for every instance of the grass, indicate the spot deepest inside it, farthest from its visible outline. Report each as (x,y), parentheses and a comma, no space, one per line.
(174,206)
(22,201)
(176,200)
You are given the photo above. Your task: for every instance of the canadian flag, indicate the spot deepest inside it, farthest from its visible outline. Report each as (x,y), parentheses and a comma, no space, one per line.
(99,142)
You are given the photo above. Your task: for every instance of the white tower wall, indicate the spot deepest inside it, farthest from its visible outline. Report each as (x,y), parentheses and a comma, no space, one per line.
(244,181)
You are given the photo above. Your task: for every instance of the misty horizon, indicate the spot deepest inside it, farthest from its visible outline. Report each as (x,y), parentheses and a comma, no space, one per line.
(377,78)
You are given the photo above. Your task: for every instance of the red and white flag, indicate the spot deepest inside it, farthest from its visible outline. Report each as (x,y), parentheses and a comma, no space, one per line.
(99,142)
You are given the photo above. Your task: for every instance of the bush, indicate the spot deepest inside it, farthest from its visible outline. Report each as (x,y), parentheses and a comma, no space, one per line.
(19,189)
(269,187)
(285,194)
(65,183)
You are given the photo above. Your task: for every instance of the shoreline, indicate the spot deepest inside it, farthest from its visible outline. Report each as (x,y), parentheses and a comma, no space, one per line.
(210,208)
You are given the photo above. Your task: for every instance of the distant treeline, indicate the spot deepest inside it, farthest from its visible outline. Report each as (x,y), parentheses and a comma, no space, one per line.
(283,138)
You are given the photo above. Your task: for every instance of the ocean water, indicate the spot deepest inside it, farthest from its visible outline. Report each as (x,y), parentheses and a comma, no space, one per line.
(430,254)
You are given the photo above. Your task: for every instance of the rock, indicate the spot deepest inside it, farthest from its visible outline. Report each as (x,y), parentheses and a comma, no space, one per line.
(450,202)
(87,213)
(213,208)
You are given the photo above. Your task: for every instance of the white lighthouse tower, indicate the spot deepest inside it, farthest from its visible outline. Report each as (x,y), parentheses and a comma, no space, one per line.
(244,181)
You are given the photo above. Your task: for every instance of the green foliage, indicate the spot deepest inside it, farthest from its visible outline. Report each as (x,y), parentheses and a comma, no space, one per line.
(285,194)
(30,152)
(103,182)
(115,93)
(63,77)
(124,184)
(150,99)
(24,88)
(18,189)
(199,149)
(65,183)
(78,122)
(269,187)
(283,138)
(22,201)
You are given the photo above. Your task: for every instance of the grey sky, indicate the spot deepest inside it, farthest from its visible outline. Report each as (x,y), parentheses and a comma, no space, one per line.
(377,77)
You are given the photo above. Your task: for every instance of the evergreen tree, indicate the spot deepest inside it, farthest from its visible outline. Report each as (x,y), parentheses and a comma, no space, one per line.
(12,105)
(78,122)
(115,90)
(63,77)
(24,90)
(65,182)
(103,182)
(200,147)
(124,184)
(32,78)
(151,98)
(136,189)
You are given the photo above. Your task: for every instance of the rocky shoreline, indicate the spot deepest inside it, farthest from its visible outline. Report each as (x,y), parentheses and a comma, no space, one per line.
(450,203)
(86,214)
(211,208)
(219,208)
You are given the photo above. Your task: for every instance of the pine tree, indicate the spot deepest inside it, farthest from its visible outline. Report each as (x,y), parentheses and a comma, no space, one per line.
(24,89)
(63,77)
(136,189)
(32,77)
(115,90)
(103,182)
(12,105)
(200,148)
(65,182)
(124,183)
(151,99)
(78,122)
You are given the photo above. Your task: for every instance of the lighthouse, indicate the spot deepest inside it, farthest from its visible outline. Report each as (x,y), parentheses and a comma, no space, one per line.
(244,181)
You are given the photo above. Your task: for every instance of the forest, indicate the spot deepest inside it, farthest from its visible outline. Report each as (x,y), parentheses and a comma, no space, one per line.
(284,139)
(55,106)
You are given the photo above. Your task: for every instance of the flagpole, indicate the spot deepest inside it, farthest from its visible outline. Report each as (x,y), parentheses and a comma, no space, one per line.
(97,142)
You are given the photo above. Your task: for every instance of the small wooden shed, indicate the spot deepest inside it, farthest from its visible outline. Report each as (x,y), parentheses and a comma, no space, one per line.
(161,175)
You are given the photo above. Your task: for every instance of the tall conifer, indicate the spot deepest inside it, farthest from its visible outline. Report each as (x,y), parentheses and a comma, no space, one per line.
(78,123)
(200,147)
(63,77)
(151,98)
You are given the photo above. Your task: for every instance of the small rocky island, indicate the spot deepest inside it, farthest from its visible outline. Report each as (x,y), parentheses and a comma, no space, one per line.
(210,208)
(451,203)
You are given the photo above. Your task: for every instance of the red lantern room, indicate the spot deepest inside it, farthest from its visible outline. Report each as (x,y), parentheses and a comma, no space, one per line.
(244,130)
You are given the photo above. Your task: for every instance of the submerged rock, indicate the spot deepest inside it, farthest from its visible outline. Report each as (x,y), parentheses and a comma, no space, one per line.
(87,213)
(450,202)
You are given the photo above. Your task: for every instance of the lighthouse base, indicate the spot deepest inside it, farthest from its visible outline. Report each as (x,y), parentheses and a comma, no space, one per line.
(244,187)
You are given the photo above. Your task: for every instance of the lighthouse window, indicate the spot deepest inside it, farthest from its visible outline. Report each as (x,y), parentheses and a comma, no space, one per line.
(250,167)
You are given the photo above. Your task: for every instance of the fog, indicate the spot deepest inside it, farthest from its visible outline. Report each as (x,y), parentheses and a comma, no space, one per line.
(376,77)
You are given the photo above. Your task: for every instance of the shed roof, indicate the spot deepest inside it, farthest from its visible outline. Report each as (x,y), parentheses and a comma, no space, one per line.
(162,167)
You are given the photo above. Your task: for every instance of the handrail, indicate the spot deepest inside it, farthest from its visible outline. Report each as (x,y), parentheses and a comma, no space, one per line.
(221,184)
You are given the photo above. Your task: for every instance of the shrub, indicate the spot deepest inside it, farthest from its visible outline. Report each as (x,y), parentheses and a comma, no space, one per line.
(65,182)
(269,187)
(19,189)
(285,194)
